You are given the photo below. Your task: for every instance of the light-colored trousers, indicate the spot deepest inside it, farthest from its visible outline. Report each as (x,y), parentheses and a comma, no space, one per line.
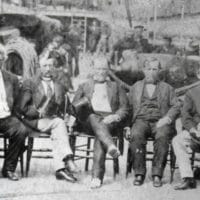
(60,139)
(181,145)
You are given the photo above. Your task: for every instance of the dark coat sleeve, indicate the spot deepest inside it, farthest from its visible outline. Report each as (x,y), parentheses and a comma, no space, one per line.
(174,105)
(188,118)
(123,104)
(25,105)
(78,95)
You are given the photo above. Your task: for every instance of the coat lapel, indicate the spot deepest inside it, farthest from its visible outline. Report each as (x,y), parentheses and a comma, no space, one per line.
(39,96)
(8,87)
(58,90)
(90,89)
(138,93)
(110,91)
(161,93)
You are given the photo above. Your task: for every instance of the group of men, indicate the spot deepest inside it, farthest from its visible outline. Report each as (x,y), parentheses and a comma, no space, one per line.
(102,108)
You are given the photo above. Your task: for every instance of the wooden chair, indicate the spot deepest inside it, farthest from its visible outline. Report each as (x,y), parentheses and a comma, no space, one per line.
(30,151)
(85,147)
(149,157)
(4,150)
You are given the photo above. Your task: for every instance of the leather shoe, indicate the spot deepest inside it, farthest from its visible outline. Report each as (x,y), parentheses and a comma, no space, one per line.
(139,180)
(63,174)
(157,181)
(187,183)
(10,175)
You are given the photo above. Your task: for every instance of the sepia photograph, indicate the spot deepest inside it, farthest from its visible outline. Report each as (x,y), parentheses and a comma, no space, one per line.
(99,99)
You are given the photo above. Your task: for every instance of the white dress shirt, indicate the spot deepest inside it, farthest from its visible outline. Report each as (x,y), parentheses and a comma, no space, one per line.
(100,101)
(45,86)
(4,109)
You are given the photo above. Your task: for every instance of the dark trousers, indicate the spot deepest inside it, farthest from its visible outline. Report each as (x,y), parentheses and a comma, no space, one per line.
(103,140)
(15,130)
(140,131)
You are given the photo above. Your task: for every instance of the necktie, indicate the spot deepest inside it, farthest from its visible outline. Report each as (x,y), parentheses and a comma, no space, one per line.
(49,90)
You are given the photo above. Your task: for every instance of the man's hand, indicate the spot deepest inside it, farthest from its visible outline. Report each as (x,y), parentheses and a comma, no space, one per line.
(198,127)
(41,112)
(111,118)
(195,131)
(127,133)
(163,121)
(71,123)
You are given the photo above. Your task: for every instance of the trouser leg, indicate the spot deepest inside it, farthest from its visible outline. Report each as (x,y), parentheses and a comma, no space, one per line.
(60,139)
(138,146)
(16,131)
(161,147)
(99,160)
(101,130)
(181,145)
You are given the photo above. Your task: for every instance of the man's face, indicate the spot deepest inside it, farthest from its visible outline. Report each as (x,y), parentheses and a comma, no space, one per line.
(100,75)
(47,68)
(2,58)
(151,70)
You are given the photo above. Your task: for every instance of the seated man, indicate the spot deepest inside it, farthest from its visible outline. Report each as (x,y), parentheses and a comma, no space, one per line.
(189,138)
(104,106)
(41,106)
(154,110)
(10,125)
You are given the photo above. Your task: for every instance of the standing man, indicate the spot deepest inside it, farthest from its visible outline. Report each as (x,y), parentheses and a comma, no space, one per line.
(93,36)
(41,107)
(101,106)
(10,125)
(189,138)
(154,110)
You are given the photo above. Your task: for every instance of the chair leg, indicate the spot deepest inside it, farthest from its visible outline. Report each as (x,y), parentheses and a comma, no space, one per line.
(115,167)
(128,163)
(73,143)
(192,159)
(5,146)
(87,154)
(29,154)
(172,163)
(22,164)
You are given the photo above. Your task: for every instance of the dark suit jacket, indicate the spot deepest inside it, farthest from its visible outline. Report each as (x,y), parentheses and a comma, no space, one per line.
(32,97)
(11,87)
(117,97)
(191,109)
(167,100)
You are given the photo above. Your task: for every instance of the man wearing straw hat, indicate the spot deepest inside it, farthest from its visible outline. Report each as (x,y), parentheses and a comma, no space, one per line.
(101,106)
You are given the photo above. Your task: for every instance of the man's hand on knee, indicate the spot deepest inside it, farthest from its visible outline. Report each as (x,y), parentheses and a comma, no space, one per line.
(163,121)
(111,118)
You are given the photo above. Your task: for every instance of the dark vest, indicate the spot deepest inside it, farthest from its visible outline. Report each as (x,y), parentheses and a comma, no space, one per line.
(149,107)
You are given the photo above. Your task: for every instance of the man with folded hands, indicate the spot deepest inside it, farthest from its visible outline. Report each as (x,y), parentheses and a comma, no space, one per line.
(154,110)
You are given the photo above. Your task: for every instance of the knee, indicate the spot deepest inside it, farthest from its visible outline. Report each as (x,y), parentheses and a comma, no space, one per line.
(22,131)
(136,135)
(58,122)
(164,133)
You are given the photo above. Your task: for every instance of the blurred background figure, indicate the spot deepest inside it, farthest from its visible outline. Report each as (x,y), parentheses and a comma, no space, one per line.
(94,34)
